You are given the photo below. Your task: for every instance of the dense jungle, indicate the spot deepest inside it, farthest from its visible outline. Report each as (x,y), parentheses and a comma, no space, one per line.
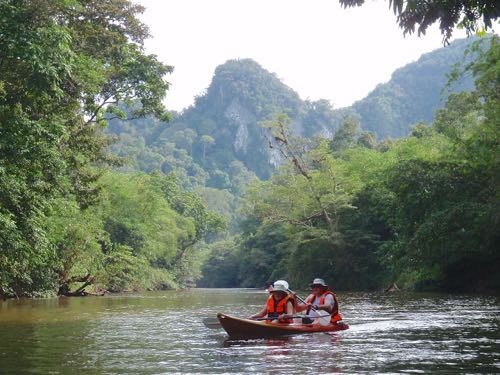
(104,190)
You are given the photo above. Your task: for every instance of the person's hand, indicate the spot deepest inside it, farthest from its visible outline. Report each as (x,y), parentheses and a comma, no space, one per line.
(282,317)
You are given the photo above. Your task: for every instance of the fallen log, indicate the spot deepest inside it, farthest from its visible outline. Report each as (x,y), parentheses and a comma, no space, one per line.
(64,289)
(392,288)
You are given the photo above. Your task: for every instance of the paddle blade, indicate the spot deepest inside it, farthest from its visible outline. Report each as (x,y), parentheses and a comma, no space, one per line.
(212,323)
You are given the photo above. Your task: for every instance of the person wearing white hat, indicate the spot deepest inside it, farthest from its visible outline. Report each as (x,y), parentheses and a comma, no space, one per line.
(279,304)
(321,298)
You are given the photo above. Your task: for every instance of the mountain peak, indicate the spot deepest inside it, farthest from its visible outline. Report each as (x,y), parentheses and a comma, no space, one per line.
(245,80)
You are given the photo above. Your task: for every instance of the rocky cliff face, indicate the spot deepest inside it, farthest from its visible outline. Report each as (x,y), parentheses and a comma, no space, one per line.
(241,95)
(241,119)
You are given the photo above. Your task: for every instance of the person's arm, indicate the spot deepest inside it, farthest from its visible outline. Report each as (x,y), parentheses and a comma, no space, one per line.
(262,313)
(300,307)
(303,306)
(328,305)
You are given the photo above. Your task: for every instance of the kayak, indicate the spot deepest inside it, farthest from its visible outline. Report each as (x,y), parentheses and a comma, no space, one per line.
(238,328)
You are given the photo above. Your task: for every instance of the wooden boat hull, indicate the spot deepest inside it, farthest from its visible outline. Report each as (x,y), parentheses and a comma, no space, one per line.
(238,328)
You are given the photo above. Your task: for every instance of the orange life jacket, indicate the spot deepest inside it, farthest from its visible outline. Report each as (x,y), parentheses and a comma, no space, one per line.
(335,313)
(276,308)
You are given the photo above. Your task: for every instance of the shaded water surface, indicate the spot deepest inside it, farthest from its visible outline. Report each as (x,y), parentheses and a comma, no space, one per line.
(161,332)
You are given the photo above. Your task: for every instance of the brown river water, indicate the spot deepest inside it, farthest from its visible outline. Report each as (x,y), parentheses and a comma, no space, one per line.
(162,333)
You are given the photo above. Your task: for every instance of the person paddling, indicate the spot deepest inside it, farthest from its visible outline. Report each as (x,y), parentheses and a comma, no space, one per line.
(279,306)
(321,299)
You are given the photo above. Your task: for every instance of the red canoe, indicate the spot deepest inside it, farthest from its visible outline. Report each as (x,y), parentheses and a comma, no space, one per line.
(238,328)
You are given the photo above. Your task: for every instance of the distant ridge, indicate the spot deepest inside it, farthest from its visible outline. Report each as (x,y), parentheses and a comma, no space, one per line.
(218,141)
(413,94)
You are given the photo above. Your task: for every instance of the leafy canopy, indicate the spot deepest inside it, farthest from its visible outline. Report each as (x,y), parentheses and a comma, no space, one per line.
(472,15)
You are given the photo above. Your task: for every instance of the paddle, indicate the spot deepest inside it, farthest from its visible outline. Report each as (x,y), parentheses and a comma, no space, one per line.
(213,323)
(324,320)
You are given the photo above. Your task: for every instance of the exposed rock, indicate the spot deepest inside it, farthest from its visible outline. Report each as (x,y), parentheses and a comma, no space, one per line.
(241,118)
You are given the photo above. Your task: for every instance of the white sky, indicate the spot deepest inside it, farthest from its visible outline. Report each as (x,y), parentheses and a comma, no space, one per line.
(316,47)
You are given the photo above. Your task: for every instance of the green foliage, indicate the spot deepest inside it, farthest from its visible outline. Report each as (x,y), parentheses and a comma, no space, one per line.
(137,215)
(124,271)
(473,16)
(190,205)
(348,136)
(153,226)
(75,236)
(294,225)
(443,217)
(221,268)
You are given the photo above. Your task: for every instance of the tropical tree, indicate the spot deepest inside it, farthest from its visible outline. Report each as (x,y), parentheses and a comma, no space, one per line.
(206,142)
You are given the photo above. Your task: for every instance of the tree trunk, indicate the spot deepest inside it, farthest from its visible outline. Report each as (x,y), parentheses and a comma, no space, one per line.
(64,289)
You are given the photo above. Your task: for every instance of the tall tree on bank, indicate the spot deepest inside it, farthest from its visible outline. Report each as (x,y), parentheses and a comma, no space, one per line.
(64,65)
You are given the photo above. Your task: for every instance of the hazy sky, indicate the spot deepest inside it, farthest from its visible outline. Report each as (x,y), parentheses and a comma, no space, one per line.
(316,47)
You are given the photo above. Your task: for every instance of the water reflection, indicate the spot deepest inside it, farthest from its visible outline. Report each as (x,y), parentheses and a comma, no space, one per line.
(318,351)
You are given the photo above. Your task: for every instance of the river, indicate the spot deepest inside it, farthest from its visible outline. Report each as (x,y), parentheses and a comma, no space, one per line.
(162,332)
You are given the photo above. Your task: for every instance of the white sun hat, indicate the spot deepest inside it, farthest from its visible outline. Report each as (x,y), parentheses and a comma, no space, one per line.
(318,281)
(278,288)
(282,282)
